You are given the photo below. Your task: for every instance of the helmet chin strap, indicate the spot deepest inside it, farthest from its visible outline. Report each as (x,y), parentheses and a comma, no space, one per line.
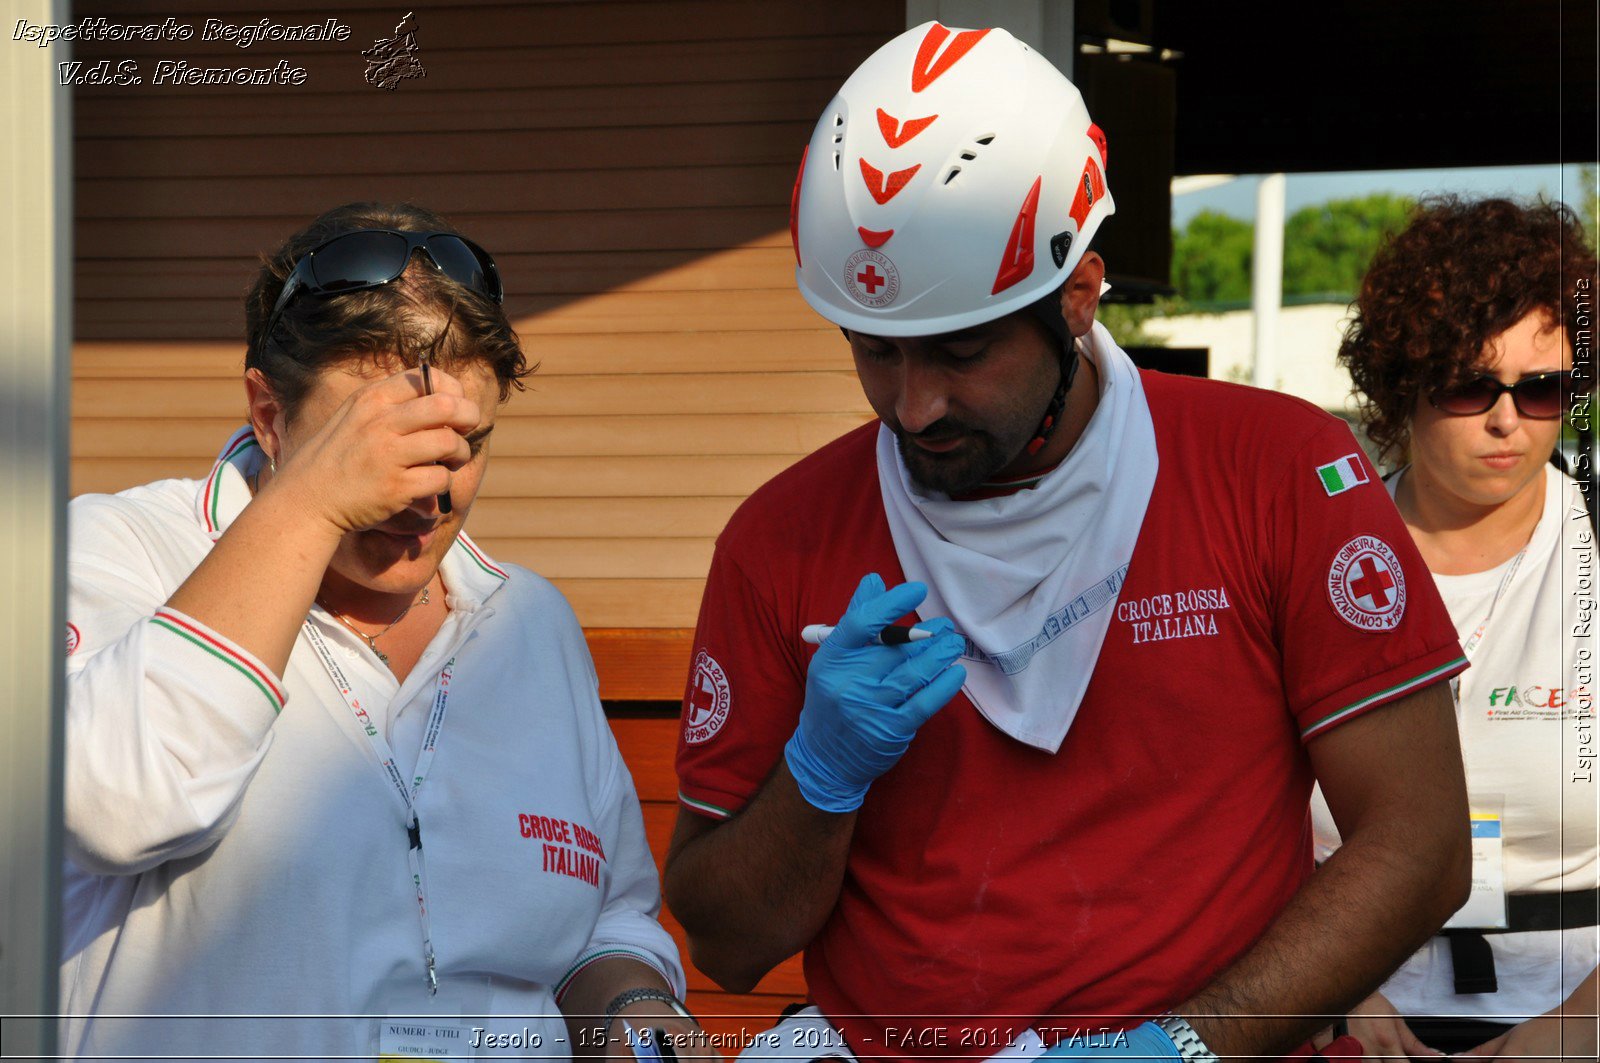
(1048,313)
(1058,401)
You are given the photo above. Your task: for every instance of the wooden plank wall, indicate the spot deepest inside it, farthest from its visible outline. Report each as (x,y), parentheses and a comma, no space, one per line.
(628,163)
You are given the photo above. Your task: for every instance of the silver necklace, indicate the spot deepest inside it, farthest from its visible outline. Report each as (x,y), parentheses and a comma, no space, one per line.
(372,640)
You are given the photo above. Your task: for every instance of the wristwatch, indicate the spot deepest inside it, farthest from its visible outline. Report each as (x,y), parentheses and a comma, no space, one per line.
(634,996)
(1190,1047)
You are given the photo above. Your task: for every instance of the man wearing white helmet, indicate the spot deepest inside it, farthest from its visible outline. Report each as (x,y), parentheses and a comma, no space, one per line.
(1174,602)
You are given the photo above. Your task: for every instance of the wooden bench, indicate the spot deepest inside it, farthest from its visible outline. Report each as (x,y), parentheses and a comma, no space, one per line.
(642,676)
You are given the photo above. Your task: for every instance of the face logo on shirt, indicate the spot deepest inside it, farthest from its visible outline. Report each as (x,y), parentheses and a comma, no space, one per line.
(708,699)
(73,639)
(1533,701)
(1366,585)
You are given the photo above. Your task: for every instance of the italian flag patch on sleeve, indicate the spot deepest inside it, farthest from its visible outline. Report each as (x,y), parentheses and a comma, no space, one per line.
(1339,476)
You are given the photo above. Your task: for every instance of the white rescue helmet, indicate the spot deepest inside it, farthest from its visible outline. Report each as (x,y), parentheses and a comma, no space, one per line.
(955,178)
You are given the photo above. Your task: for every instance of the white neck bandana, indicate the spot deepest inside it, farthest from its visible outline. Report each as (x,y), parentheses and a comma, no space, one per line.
(1032,578)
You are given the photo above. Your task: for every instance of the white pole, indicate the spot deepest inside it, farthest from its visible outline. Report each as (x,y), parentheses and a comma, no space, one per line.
(1266,280)
(35,340)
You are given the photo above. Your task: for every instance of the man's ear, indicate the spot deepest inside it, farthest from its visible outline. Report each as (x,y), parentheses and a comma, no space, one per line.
(265,413)
(1080,296)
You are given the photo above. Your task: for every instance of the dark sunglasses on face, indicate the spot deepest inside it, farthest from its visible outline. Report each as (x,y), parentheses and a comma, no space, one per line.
(1540,397)
(371,258)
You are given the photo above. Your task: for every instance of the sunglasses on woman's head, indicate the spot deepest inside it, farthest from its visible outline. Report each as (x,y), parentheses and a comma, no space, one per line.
(1540,397)
(371,258)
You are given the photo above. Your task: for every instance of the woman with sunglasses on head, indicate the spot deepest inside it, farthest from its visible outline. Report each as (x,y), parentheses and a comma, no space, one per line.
(332,772)
(1461,349)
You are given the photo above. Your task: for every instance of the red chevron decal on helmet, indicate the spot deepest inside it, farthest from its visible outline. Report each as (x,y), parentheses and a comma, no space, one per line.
(926,70)
(794,206)
(896,133)
(1017,262)
(1091,190)
(1099,139)
(884,189)
(873,238)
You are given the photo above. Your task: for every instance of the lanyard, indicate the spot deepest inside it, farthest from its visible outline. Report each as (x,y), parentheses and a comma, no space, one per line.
(391,771)
(1476,637)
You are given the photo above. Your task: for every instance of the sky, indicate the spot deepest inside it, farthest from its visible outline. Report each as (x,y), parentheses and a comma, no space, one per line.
(1238,197)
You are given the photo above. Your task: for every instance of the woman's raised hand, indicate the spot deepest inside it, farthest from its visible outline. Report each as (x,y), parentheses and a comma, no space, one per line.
(385,447)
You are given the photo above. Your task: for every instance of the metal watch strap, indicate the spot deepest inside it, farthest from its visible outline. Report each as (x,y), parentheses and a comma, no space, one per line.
(1190,1047)
(634,996)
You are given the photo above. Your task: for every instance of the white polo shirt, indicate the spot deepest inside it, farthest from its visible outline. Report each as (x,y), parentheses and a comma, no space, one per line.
(235,849)
(1525,708)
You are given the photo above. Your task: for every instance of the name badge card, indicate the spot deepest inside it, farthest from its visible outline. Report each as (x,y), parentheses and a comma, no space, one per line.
(1486,907)
(409,1040)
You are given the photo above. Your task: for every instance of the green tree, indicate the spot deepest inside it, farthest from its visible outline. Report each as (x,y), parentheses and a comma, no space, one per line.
(1211,258)
(1327,247)
(1126,321)
(1584,200)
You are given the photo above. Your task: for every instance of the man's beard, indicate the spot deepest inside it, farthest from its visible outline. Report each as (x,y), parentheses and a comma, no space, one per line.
(965,469)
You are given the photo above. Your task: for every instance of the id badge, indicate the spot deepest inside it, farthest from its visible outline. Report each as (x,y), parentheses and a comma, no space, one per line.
(439,1028)
(1486,907)
(402,1040)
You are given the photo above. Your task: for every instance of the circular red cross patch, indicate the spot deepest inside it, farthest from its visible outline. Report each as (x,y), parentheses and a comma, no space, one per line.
(709,700)
(73,639)
(1366,584)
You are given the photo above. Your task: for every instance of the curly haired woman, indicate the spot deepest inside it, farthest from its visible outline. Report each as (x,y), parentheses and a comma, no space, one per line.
(1462,352)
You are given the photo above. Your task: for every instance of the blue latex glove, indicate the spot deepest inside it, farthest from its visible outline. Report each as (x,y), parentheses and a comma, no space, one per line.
(1145,1041)
(865,701)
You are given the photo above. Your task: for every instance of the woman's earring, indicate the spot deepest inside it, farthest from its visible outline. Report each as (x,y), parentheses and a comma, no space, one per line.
(272,464)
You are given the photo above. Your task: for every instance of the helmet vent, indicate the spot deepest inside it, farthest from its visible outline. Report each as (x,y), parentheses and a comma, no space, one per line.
(968,154)
(836,162)
(951,176)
